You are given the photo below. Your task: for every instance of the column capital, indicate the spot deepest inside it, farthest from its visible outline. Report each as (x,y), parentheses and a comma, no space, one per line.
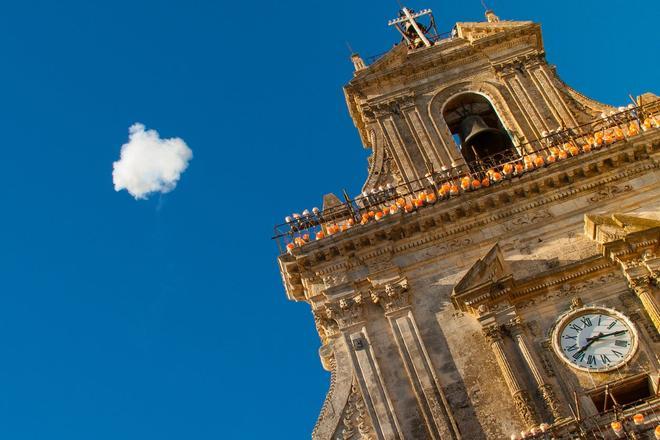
(347,312)
(515,326)
(493,334)
(392,296)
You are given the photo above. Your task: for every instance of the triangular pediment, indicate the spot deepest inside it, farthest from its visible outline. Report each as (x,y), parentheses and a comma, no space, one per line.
(488,269)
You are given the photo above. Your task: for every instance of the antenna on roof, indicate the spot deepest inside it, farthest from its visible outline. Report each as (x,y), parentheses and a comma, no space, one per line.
(350,49)
(483,3)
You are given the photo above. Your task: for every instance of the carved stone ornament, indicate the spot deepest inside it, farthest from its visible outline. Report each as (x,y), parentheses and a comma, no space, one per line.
(392,296)
(576,302)
(525,408)
(493,334)
(550,400)
(346,312)
(355,422)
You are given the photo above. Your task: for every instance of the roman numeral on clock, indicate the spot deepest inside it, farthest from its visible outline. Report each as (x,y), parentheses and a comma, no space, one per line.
(617,353)
(579,356)
(591,360)
(571,348)
(612,324)
(570,337)
(604,359)
(621,343)
(575,327)
(586,321)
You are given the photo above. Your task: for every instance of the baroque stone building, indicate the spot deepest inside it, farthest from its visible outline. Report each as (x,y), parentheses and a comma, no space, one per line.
(498,276)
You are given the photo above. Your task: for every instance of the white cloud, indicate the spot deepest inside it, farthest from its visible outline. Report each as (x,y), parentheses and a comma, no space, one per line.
(149,164)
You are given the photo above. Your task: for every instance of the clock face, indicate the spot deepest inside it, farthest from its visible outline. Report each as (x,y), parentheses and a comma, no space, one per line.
(595,339)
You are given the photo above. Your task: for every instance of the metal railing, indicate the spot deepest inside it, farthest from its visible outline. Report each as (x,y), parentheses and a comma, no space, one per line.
(556,146)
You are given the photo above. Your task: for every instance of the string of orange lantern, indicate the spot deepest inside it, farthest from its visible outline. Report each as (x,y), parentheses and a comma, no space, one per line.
(376,207)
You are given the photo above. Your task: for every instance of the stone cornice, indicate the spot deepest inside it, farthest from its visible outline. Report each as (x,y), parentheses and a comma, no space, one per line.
(447,223)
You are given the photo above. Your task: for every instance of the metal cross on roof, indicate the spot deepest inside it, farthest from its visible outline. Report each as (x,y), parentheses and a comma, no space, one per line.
(408,17)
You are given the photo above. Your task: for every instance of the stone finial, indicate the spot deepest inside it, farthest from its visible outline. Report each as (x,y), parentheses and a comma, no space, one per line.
(358,62)
(491,17)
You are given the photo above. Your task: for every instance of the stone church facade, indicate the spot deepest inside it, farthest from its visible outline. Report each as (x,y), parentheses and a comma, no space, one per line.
(498,276)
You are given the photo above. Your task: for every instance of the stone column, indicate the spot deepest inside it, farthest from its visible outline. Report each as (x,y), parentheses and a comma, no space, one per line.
(639,280)
(395,300)
(644,291)
(348,312)
(519,394)
(545,389)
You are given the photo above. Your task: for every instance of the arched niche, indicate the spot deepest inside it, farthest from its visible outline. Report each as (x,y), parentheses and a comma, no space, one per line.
(477,129)
(495,98)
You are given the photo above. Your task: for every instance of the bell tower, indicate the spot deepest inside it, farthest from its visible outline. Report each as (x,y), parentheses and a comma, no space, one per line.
(485,89)
(497,277)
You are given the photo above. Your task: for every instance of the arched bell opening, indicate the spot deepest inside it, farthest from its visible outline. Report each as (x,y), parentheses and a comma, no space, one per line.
(481,137)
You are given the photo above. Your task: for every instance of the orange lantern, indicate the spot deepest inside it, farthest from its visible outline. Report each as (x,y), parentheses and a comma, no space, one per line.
(485,182)
(394,209)
(350,222)
(618,134)
(476,184)
(465,183)
(497,176)
(305,238)
(409,207)
(371,214)
(421,196)
(608,138)
(657,432)
(453,190)
(418,203)
(320,235)
(586,148)
(519,168)
(538,161)
(379,215)
(550,159)
(401,202)
(598,140)
(646,125)
(507,169)
(617,427)
(430,198)
(573,150)
(633,129)
(638,418)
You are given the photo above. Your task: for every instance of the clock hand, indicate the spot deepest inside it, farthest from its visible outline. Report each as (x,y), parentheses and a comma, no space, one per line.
(601,335)
(587,344)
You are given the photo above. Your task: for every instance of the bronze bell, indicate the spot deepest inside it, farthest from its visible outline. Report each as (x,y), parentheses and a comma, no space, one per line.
(481,141)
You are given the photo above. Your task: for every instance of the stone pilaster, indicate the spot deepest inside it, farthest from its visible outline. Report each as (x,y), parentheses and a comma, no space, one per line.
(348,312)
(545,389)
(395,300)
(521,398)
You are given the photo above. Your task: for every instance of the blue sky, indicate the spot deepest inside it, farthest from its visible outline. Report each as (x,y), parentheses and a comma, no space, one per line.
(166,318)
